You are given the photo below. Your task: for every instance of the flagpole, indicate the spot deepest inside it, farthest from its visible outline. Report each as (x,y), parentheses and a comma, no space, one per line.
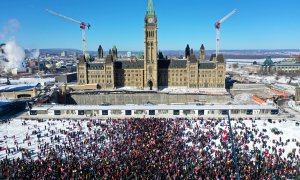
(233,148)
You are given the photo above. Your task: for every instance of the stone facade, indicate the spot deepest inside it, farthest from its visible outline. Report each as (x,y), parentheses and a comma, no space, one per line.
(153,73)
(143,98)
(19,94)
(297,94)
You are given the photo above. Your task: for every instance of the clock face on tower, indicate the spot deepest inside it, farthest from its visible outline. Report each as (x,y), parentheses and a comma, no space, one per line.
(150,20)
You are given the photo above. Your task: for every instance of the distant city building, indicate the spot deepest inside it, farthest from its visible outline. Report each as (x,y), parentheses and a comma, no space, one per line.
(153,73)
(64,54)
(32,63)
(75,54)
(128,54)
(285,67)
(298,59)
(66,78)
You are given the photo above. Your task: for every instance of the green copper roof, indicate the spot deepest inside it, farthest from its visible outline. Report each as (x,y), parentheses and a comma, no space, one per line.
(268,61)
(150,8)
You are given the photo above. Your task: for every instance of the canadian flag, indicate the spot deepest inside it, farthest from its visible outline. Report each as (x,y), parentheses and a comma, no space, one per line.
(137,154)
(224,136)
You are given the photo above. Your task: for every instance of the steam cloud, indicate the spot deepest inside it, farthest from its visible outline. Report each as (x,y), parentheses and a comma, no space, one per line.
(10,26)
(34,53)
(14,54)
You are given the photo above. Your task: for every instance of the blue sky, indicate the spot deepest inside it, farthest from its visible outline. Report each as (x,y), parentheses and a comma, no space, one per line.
(258,24)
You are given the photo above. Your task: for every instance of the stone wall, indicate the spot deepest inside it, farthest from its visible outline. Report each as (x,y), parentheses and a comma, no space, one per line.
(19,94)
(143,98)
(254,89)
(297,94)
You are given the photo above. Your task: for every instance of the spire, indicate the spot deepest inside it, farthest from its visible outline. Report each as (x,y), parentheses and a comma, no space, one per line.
(150,8)
(202,47)
(100,52)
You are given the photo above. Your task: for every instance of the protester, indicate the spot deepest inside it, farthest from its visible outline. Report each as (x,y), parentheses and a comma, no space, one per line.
(149,148)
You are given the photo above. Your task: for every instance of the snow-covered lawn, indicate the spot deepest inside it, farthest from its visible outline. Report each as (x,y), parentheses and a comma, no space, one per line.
(15,131)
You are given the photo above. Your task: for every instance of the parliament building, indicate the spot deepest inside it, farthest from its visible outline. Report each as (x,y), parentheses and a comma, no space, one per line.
(153,73)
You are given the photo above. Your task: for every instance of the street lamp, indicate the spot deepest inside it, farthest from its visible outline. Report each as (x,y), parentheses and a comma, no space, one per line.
(232,145)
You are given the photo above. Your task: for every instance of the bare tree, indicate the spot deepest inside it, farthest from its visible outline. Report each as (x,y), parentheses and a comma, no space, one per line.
(291,75)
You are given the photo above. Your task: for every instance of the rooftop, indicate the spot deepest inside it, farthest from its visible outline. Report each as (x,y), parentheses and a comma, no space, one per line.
(139,64)
(152,107)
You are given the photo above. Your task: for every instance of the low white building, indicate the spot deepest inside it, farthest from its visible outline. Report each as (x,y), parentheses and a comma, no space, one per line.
(161,110)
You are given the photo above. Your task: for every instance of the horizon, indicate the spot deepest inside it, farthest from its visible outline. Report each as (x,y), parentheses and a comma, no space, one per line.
(121,23)
(196,50)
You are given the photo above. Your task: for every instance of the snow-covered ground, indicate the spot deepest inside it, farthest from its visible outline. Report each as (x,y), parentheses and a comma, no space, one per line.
(16,132)
(267,79)
(180,90)
(286,88)
(271,79)
(3,99)
(28,81)
(292,104)
(17,87)
(245,98)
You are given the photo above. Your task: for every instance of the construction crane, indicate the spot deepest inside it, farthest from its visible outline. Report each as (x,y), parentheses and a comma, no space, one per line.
(82,26)
(218,27)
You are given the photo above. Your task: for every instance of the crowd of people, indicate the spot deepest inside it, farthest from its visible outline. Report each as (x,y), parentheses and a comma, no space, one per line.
(150,148)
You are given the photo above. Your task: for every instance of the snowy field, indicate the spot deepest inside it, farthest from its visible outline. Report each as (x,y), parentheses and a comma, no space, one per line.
(286,88)
(28,81)
(16,131)
(269,79)
(25,136)
(245,98)
(292,104)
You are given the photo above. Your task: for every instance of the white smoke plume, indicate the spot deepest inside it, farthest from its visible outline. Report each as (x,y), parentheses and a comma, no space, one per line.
(34,53)
(14,54)
(9,27)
